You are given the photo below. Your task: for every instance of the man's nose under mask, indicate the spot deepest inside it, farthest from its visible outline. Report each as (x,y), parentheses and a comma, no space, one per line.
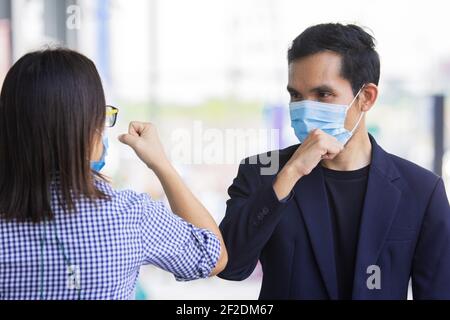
(308,115)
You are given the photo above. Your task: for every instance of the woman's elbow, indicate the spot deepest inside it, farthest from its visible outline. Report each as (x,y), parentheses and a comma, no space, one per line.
(221,262)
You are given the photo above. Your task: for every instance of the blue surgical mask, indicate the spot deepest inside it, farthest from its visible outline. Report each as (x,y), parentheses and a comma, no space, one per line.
(307,115)
(98,165)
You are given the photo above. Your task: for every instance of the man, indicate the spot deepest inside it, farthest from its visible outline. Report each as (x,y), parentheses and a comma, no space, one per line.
(341,218)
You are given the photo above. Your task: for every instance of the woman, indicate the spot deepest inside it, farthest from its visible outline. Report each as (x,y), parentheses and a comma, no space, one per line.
(65,233)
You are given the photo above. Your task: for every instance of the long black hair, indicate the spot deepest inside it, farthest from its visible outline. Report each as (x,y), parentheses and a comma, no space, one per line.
(52,111)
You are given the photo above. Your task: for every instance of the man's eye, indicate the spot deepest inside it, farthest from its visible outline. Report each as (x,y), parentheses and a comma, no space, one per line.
(324,94)
(294,95)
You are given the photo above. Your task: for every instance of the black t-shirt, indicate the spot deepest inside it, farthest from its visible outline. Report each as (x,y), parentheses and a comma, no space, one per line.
(346,191)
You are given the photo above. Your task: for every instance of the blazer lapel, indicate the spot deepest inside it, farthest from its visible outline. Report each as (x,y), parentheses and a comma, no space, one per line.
(380,204)
(311,197)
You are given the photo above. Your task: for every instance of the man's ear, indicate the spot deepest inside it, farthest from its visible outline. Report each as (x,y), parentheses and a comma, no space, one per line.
(368,97)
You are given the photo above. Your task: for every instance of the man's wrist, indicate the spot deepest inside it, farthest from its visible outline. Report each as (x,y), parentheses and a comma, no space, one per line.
(291,173)
(285,182)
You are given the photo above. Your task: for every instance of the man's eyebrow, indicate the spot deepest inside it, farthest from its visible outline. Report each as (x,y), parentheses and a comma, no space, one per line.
(322,88)
(291,90)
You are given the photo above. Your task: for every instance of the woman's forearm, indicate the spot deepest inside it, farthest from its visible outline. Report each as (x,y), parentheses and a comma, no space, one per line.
(186,205)
(143,138)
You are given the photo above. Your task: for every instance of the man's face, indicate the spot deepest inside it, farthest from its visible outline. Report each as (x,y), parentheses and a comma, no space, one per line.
(318,77)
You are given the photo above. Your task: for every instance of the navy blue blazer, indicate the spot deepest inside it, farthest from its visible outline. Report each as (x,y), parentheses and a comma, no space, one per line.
(405,231)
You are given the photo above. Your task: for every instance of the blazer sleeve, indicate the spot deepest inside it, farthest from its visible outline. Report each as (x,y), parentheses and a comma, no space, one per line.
(431,266)
(252,214)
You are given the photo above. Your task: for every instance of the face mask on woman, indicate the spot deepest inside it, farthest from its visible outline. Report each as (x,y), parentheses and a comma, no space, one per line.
(98,165)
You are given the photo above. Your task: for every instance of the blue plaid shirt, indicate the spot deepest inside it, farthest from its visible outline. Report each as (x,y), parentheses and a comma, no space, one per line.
(96,252)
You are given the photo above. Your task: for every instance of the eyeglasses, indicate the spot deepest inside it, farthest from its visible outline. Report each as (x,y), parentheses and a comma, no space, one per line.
(111,116)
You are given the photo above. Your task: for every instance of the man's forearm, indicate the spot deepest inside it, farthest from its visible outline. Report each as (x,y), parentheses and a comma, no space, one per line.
(285,182)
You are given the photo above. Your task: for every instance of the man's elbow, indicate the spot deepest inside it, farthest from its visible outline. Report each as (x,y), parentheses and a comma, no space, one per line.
(237,271)
(234,276)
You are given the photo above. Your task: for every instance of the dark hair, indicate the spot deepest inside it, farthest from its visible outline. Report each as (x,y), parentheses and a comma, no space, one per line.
(52,106)
(360,61)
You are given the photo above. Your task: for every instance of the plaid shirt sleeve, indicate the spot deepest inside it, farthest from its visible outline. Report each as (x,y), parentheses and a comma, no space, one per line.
(174,245)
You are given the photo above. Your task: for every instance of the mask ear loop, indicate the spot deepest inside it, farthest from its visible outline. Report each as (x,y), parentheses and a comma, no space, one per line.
(362,113)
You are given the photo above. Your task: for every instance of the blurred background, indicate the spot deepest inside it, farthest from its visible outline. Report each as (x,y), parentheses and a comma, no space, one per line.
(211,74)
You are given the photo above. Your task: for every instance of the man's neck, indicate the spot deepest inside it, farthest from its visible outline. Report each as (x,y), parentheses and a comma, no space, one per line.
(356,155)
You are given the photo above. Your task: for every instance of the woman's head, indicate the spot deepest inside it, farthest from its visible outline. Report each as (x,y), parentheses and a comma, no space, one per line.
(52,116)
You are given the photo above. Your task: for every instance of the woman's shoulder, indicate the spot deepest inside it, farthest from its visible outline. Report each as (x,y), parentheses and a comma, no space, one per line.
(124,198)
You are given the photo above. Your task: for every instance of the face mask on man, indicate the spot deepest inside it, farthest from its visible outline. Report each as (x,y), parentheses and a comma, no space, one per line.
(98,165)
(307,115)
